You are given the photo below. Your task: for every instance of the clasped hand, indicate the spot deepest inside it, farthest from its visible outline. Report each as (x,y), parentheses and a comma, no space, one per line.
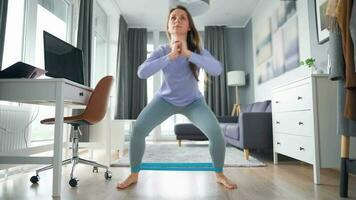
(178,48)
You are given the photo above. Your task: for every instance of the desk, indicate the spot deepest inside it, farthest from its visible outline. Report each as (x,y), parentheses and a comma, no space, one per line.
(58,92)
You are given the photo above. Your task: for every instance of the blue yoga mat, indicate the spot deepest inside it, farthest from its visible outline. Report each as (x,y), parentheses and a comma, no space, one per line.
(178,166)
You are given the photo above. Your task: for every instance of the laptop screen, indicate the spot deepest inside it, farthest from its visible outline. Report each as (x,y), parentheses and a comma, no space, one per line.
(62,60)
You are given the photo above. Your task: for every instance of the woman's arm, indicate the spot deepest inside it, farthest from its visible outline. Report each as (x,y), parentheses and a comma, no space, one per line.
(206,61)
(157,61)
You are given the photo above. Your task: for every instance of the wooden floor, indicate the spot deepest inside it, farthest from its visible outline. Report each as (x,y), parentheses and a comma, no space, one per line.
(288,180)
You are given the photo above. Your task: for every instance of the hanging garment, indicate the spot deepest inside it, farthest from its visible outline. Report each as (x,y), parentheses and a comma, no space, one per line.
(353,30)
(337,73)
(338,14)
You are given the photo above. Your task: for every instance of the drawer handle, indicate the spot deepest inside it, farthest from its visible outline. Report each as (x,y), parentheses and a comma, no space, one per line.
(276,101)
(81,94)
(277,122)
(278,143)
(301,149)
(300,123)
(299,98)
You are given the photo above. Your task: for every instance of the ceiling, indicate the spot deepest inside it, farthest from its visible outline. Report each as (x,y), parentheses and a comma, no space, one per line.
(152,14)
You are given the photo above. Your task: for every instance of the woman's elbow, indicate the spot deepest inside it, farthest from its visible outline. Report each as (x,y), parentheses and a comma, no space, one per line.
(141,74)
(217,70)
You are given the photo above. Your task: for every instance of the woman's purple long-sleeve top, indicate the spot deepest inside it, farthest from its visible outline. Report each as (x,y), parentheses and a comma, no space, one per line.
(179,86)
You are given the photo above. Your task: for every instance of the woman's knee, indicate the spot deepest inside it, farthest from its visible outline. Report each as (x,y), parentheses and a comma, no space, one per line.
(216,131)
(215,137)
(218,139)
(212,129)
(139,130)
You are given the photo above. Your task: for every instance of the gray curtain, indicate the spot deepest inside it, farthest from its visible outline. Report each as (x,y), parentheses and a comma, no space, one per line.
(3,14)
(85,35)
(216,91)
(131,91)
(84,43)
(121,104)
(137,54)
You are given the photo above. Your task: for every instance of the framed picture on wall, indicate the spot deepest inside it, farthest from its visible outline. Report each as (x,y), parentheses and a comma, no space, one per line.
(322,31)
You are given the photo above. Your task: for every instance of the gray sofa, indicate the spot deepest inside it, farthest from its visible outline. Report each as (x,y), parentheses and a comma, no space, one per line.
(252,129)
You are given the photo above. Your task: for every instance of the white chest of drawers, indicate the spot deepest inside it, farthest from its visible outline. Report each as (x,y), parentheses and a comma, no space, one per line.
(304,122)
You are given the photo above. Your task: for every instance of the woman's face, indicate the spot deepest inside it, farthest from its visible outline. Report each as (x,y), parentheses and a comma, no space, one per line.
(178,22)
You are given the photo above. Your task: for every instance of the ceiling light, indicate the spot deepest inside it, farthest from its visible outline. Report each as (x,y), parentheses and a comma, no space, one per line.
(195,7)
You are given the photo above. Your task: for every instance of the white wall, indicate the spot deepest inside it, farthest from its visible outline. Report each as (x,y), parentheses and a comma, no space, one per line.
(263,10)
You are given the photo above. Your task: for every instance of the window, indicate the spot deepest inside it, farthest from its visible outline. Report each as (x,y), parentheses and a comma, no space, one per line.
(52,20)
(150,80)
(21,37)
(100,67)
(53,17)
(150,89)
(13,33)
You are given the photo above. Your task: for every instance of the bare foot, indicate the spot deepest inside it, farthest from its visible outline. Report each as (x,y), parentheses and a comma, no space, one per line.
(222,179)
(130,180)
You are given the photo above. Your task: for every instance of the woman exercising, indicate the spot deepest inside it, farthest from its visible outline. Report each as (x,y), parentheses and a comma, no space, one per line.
(180,62)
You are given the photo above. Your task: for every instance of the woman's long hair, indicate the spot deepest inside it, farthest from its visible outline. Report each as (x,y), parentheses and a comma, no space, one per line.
(193,39)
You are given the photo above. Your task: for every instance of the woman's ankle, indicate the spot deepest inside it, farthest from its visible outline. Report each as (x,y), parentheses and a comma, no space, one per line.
(219,174)
(134,174)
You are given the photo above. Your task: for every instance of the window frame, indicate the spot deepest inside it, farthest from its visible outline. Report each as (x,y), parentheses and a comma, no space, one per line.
(29,38)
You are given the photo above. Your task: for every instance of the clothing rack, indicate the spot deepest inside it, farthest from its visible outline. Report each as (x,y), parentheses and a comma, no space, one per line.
(347,165)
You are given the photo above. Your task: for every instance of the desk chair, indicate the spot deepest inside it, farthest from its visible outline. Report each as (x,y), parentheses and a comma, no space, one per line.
(94,112)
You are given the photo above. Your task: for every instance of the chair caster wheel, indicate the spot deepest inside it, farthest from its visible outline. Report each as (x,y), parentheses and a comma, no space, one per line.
(35,179)
(73,182)
(95,170)
(108,175)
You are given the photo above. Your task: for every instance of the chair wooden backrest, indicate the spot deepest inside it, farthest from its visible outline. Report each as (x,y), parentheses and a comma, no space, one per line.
(98,101)
(96,107)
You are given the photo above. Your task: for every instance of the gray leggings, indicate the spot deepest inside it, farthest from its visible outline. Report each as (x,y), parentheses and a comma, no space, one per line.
(159,110)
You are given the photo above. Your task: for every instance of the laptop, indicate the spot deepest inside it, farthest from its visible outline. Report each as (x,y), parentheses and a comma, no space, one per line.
(62,60)
(22,70)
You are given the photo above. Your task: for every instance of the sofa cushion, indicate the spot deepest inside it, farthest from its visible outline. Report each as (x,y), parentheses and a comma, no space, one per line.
(260,106)
(228,119)
(230,130)
(269,107)
(247,108)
